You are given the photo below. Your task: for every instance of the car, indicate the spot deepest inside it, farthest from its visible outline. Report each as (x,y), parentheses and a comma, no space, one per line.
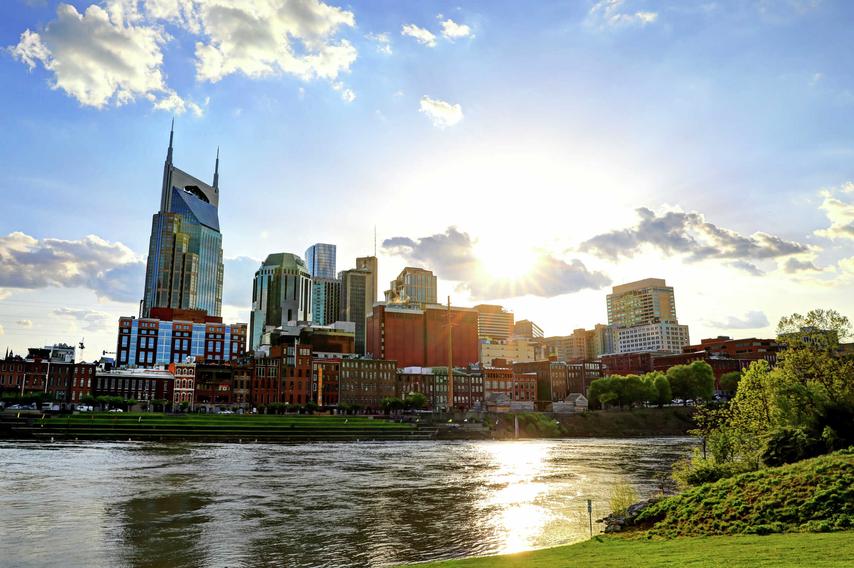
(16,407)
(227,412)
(116,410)
(83,408)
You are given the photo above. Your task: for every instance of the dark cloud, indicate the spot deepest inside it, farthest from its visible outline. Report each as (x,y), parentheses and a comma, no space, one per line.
(794,265)
(748,267)
(691,235)
(110,269)
(751,320)
(451,256)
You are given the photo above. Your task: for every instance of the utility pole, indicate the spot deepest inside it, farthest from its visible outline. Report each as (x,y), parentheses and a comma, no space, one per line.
(450,360)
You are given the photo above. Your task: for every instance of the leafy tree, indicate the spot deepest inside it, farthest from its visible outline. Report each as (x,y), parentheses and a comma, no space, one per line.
(415,401)
(658,388)
(679,377)
(391,404)
(729,382)
(702,380)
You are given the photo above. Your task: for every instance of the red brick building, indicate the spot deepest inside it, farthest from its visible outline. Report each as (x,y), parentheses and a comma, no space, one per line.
(325,373)
(751,348)
(138,384)
(364,383)
(552,382)
(418,336)
(66,382)
(285,376)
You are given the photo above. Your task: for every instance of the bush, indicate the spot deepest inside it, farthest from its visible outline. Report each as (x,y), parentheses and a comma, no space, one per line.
(623,496)
(697,471)
(788,445)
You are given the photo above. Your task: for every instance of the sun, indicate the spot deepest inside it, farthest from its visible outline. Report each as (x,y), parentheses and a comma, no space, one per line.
(505,260)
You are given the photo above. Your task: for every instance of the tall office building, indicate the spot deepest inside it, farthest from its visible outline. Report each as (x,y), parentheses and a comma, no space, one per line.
(325,300)
(527,328)
(281,293)
(369,263)
(320,259)
(184,268)
(637,303)
(412,286)
(355,303)
(493,322)
(642,315)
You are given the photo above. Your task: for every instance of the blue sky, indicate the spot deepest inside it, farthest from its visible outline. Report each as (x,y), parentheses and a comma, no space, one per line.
(528,134)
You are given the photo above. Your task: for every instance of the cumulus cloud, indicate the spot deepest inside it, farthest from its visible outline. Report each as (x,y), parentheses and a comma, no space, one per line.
(110,269)
(615,13)
(838,205)
(451,255)
(793,265)
(452,30)
(92,320)
(383,42)
(264,37)
(689,234)
(421,35)
(98,57)
(751,320)
(112,53)
(745,266)
(25,323)
(442,114)
(347,95)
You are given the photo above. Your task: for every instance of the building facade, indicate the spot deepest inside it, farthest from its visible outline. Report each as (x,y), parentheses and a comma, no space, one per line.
(325,300)
(660,337)
(320,260)
(143,385)
(642,315)
(281,293)
(173,336)
(514,350)
(494,322)
(370,264)
(364,383)
(184,269)
(355,303)
(413,286)
(527,328)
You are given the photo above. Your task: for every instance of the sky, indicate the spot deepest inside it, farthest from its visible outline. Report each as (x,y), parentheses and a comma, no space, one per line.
(531,154)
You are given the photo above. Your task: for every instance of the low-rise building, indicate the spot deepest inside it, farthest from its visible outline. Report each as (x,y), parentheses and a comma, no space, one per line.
(184,387)
(142,385)
(364,383)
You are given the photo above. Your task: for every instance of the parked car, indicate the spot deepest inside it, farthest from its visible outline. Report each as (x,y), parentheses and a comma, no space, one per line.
(116,410)
(83,408)
(16,407)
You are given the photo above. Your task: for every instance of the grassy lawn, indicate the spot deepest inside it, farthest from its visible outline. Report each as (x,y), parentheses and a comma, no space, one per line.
(794,550)
(131,419)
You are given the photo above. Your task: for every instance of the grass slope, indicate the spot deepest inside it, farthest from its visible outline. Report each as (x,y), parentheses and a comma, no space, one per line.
(810,495)
(794,550)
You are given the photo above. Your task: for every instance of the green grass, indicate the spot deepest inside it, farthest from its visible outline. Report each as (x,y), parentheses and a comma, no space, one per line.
(793,550)
(145,419)
(815,495)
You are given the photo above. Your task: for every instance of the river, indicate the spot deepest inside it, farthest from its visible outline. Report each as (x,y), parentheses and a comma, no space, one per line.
(323,504)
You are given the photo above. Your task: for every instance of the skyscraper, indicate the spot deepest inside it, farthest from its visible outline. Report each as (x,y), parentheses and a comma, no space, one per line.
(355,303)
(325,300)
(643,317)
(184,268)
(320,259)
(494,322)
(412,286)
(369,263)
(281,293)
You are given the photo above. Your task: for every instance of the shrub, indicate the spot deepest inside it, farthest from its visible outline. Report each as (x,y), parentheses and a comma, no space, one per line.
(623,496)
(788,445)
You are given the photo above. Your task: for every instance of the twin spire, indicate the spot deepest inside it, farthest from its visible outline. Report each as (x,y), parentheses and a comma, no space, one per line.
(169,155)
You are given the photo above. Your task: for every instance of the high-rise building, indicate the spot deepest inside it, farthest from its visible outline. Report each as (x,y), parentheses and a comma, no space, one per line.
(184,268)
(355,302)
(601,340)
(320,260)
(325,300)
(569,347)
(638,303)
(642,315)
(527,328)
(493,322)
(369,263)
(412,286)
(281,294)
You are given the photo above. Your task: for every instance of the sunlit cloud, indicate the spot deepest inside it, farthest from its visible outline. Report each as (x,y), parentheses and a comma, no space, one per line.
(441,113)
(452,30)
(754,319)
(421,35)
(616,13)
(838,205)
(90,320)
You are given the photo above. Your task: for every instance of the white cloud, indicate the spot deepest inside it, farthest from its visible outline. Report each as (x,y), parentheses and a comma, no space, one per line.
(613,13)
(266,37)
(839,208)
(383,42)
(421,35)
(347,95)
(452,30)
(110,269)
(751,320)
(92,320)
(99,57)
(176,105)
(442,114)
(25,323)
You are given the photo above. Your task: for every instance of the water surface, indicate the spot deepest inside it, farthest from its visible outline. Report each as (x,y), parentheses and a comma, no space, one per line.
(322,504)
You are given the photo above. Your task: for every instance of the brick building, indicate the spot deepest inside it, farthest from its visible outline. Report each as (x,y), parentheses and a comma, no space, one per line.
(366,382)
(552,378)
(184,387)
(138,384)
(66,381)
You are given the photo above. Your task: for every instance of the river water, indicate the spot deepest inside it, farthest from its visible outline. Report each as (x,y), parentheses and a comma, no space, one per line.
(338,504)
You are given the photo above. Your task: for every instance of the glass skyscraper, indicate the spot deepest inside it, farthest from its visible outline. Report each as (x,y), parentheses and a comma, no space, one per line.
(184,268)
(320,259)
(281,294)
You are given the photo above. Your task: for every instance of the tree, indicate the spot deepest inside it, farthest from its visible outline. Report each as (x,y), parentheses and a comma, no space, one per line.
(729,382)
(679,377)
(658,388)
(415,401)
(702,380)
(391,404)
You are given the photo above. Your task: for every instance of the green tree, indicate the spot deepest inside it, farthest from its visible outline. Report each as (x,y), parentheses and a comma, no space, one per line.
(679,377)
(391,404)
(415,401)
(729,382)
(702,380)
(658,388)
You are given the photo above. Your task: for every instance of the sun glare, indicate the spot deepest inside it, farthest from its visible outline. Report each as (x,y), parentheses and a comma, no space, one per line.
(504,260)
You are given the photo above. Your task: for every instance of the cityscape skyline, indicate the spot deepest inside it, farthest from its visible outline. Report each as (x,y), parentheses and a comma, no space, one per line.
(534,217)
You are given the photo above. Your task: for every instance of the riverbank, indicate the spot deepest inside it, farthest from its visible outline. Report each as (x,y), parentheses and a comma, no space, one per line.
(635,423)
(212,428)
(792,550)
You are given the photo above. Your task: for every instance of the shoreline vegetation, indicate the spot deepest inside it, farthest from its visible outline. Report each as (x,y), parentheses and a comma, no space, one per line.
(641,422)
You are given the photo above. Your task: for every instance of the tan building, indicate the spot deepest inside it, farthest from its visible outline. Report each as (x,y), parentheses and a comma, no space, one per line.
(369,264)
(493,322)
(640,303)
(517,350)
(412,286)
